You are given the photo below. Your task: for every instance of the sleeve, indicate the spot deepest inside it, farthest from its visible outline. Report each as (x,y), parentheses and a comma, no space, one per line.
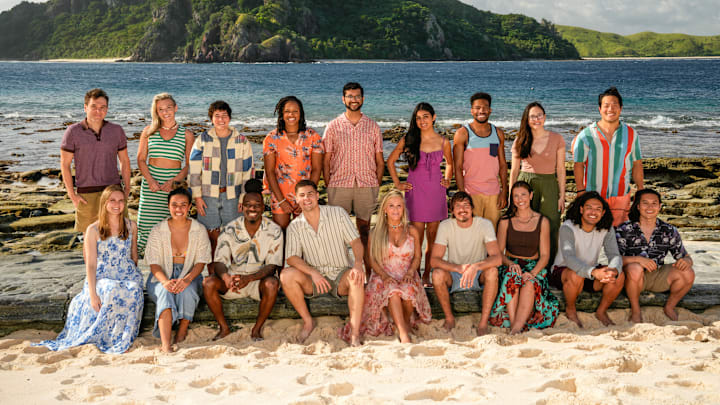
(293,246)
(269,144)
(327,139)
(122,139)
(315,141)
(636,153)
(488,231)
(560,142)
(196,158)
(611,251)
(223,253)
(275,249)
(153,247)
(566,244)
(579,150)
(621,236)
(442,236)
(68,140)
(677,249)
(204,253)
(349,231)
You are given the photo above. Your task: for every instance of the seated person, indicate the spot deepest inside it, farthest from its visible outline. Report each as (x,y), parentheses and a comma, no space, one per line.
(644,241)
(249,253)
(587,229)
(318,262)
(177,251)
(473,259)
(524,300)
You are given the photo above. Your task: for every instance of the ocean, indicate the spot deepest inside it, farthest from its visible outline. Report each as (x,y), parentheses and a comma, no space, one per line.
(674,104)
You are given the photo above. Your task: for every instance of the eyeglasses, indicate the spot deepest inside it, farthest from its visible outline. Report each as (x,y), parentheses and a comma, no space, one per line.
(536,117)
(353,97)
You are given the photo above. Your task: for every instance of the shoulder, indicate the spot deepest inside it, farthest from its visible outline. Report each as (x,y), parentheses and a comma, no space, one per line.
(557,138)
(271,227)
(369,121)
(412,231)
(195,225)
(482,223)
(499,132)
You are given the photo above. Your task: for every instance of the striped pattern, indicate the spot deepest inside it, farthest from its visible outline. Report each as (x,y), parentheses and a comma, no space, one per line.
(608,165)
(173,149)
(153,205)
(327,249)
(352,150)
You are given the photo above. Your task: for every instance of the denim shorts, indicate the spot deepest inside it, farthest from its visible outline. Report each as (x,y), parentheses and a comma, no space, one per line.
(456,282)
(219,211)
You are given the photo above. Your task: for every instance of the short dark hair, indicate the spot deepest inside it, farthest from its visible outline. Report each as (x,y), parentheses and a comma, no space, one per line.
(481,96)
(460,196)
(253,186)
(96,93)
(219,106)
(634,214)
(305,183)
(353,86)
(574,215)
(612,91)
(280,106)
(180,191)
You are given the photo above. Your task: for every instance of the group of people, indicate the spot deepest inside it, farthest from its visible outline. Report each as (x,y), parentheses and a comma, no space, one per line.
(309,250)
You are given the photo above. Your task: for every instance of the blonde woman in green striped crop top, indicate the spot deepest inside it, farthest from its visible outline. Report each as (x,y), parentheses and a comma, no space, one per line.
(163,160)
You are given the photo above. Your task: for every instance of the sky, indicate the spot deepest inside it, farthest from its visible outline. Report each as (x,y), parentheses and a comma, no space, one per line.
(695,17)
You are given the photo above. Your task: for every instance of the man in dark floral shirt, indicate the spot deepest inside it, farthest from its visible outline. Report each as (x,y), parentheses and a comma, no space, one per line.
(644,241)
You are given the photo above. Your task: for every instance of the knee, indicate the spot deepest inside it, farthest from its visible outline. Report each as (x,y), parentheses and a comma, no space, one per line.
(687,277)
(441,278)
(270,284)
(210,283)
(491,274)
(634,273)
(571,279)
(289,275)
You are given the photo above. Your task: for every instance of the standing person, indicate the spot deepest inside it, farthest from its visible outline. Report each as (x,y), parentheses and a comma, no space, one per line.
(164,147)
(96,146)
(249,254)
(587,230)
(353,164)
(473,259)
(538,158)
(221,161)
(291,152)
(177,251)
(426,187)
(108,310)
(480,166)
(394,284)
(644,241)
(317,259)
(524,300)
(607,154)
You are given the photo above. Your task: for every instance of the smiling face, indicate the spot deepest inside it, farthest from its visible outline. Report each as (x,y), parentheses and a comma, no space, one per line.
(649,207)
(221,120)
(353,99)
(462,211)
(425,120)
(96,109)
(252,208)
(610,109)
(291,116)
(166,110)
(521,197)
(115,203)
(536,118)
(592,212)
(179,206)
(394,209)
(481,110)
(307,198)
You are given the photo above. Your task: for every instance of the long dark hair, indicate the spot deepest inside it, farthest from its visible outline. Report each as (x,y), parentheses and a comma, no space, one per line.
(634,214)
(512,209)
(302,125)
(524,135)
(413,138)
(574,215)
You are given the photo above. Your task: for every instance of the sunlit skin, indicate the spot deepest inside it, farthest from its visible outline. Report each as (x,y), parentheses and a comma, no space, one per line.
(166,110)
(592,212)
(610,110)
(95,111)
(291,116)
(480,111)
(353,100)
(462,211)
(307,198)
(221,122)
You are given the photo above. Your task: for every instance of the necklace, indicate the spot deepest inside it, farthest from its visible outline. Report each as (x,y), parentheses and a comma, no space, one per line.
(525,221)
(394,227)
(172,127)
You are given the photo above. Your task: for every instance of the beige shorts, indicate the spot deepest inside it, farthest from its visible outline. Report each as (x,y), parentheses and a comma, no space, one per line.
(360,200)
(86,214)
(252,290)
(485,206)
(657,281)
(620,207)
(334,283)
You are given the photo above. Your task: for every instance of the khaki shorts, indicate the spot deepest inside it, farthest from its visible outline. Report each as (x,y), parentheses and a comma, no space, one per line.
(252,290)
(86,214)
(361,200)
(334,283)
(485,206)
(657,281)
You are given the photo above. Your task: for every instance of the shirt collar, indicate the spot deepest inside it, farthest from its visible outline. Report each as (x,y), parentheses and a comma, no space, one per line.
(84,124)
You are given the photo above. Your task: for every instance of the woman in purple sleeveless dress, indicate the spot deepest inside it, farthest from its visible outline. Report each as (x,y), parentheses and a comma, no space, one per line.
(425,188)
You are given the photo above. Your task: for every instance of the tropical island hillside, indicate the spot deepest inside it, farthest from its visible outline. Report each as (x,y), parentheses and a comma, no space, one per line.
(596,44)
(273,30)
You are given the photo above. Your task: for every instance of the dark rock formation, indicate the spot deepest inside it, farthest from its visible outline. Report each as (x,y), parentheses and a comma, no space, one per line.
(166,34)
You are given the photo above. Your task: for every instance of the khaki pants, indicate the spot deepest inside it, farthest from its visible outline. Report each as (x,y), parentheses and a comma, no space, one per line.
(86,214)
(485,206)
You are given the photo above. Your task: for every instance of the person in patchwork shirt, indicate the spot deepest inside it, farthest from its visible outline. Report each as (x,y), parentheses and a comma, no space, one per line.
(221,161)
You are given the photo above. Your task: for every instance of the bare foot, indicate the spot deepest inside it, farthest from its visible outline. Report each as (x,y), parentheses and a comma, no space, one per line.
(572,315)
(604,318)
(180,336)
(404,338)
(168,349)
(305,332)
(449,324)
(482,330)
(515,331)
(355,341)
(256,334)
(221,334)
(670,313)
(636,317)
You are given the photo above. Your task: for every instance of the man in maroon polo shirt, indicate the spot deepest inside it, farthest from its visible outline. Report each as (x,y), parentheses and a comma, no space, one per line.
(96,146)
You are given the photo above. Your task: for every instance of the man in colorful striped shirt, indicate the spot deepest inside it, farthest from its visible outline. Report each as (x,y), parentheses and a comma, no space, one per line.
(606,155)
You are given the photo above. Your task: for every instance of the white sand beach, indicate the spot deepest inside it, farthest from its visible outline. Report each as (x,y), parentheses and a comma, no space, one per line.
(661,362)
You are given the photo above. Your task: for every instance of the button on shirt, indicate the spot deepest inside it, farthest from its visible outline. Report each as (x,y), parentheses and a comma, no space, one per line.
(95,154)
(244,254)
(352,150)
(665,238)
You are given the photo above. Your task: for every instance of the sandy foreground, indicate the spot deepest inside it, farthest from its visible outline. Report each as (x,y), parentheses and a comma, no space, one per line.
(660,361)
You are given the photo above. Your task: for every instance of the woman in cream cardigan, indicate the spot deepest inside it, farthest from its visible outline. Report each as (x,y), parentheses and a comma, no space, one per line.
(177,250)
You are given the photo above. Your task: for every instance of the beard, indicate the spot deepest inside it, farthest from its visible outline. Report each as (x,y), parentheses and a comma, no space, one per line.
(347,105)
(482,122)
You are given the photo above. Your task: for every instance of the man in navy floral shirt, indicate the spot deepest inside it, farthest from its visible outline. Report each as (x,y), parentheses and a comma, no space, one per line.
(644,241)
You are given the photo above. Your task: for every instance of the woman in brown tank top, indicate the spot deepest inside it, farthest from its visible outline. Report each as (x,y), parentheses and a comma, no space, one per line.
(524,300)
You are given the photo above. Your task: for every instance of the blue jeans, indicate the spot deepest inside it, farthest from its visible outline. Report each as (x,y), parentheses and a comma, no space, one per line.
(219,211)
(182,305)
(456,282)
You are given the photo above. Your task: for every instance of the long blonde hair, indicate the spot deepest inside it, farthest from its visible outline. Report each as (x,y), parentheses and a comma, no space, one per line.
(380,234)
(156,121)
(104,216)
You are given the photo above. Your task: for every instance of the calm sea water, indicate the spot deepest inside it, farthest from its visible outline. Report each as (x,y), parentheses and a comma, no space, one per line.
(673,104)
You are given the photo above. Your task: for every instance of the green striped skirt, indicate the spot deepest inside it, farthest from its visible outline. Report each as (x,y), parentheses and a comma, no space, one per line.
(153,205)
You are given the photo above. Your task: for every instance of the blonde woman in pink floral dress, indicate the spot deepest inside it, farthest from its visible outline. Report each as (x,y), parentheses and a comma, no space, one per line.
(394,294)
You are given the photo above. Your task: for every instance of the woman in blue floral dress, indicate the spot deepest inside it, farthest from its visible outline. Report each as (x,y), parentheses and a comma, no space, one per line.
(107,312)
